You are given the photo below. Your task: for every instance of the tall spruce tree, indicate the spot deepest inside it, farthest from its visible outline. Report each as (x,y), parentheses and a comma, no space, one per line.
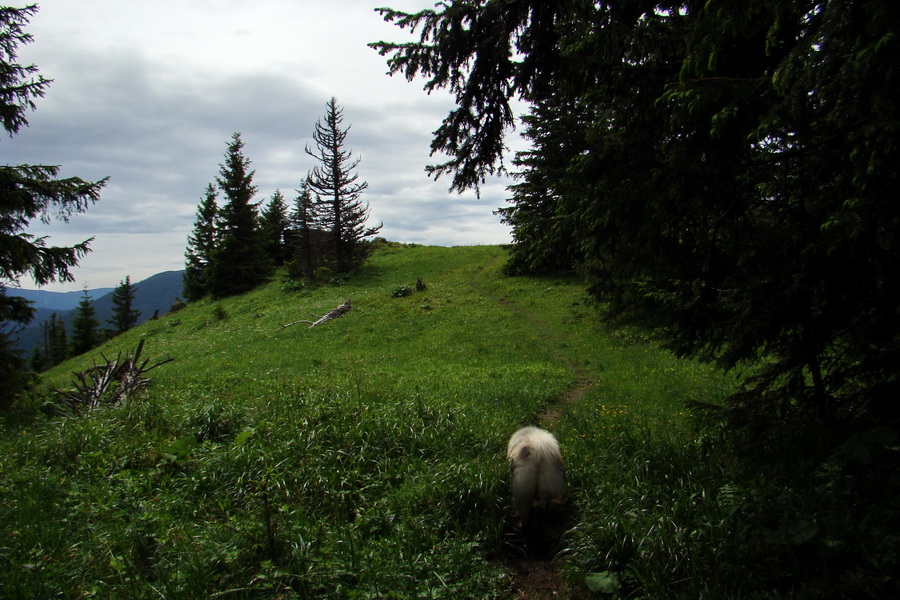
(239,262)
(85,326)
(544,235)
(124,314)
(732,181)
(201,244)
(274,222)
(28,192)
(337,189)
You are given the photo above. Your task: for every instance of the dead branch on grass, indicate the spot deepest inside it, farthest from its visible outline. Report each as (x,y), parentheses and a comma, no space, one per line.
(334,313)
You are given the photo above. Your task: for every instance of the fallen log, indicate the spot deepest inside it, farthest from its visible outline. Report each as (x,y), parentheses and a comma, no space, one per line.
(334,313)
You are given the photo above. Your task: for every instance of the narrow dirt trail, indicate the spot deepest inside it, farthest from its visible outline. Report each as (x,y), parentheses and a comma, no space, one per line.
(537,574)
(551,414)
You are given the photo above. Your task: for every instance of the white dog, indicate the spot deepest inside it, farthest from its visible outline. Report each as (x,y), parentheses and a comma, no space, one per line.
(536,469)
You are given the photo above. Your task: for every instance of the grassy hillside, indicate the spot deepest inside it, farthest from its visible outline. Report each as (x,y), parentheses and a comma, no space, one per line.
(363,458)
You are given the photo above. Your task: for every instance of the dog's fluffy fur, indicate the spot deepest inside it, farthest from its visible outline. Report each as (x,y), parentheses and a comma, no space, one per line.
(536,471)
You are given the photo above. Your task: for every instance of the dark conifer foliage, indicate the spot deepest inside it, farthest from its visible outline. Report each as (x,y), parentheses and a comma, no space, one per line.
(86,333)
(54,346)
(56,341)
(124,314)
(545,235)
(28,192)
(274,223)
(723,172)
(201,243)
(233,247)
(337,190)
(307,238)
(239,262)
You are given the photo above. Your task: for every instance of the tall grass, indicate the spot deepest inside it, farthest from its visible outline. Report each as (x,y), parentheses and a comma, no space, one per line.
(669,506)
(365,458)
(358,459)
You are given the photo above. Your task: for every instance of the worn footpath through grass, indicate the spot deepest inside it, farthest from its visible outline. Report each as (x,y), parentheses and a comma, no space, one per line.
(620,385)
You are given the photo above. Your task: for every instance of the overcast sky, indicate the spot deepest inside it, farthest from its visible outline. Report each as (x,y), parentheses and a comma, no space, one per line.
(149,94)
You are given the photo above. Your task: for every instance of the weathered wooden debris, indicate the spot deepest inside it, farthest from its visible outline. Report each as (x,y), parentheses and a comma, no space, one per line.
(115,382)
(338,311)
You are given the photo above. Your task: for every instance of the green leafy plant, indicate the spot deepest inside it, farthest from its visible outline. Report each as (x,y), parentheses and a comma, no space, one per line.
(401,291)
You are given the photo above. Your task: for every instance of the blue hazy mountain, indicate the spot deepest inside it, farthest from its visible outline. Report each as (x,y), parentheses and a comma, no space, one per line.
(56,301)
(154,295)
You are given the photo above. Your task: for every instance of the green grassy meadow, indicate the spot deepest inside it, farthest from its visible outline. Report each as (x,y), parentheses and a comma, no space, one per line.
(365,458)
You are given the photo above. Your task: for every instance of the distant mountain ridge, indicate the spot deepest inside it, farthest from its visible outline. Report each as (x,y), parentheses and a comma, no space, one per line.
(56,301)
(156,294)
